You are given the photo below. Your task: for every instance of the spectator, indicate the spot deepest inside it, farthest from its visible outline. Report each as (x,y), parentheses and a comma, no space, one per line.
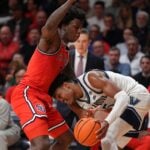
(31,9)
(127,33)
(98,10)
(139,5)
(114,64)
(114,8)
(30,44)
(16,64)
(141,28)
(17,57)
(99,50)
(143,77)
(85,6)
(18,76)
(94,34)
(81,49)
(40,20)
(7,48)
(133,55)
(110,30)
(9,131)
(125,18)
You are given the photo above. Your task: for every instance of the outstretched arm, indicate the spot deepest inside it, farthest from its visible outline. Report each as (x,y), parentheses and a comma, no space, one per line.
(50,38)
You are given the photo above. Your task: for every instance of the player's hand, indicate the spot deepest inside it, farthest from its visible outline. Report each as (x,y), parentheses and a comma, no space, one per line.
(85,114)
(102,131)
(92,110)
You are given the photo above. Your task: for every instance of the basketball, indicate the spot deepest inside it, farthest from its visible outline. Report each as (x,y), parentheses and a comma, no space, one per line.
(84,131)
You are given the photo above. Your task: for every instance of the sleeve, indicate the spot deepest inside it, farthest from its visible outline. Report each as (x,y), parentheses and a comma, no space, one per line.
(121,102)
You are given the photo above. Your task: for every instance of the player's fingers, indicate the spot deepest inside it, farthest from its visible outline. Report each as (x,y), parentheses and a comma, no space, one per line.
(100,133)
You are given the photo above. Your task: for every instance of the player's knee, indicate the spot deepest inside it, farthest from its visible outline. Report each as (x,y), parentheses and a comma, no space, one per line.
(40,143)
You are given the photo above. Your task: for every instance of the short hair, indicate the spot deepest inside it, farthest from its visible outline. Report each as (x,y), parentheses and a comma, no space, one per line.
(73,13)
(115,49)
(144,13)
(99,3)
(133,38)
(109,15)
(94,25)
(145,56)
(60,79)
(84,31)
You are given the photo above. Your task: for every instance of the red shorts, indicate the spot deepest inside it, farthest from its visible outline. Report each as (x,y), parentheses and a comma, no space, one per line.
(37,115)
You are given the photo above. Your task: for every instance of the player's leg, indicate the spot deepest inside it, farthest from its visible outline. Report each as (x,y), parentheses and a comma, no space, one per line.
(59,130)
(43,142)
(40,143)
(118,128)
(63,141)
(32,113)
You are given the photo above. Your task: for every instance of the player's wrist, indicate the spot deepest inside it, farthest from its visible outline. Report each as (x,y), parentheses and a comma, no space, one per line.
(106,122)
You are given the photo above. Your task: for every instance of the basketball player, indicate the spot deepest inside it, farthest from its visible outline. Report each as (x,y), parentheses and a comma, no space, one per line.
(129,101)
(30,99)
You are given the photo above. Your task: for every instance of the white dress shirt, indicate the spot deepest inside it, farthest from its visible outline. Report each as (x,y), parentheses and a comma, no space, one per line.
(77,58)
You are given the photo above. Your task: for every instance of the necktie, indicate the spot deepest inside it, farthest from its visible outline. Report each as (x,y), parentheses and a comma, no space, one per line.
(79,66)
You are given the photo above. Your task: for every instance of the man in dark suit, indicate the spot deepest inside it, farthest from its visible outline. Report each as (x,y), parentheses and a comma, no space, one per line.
(89,61)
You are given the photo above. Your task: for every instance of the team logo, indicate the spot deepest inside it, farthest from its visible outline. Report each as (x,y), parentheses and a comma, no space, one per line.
(40,107)
(134,101)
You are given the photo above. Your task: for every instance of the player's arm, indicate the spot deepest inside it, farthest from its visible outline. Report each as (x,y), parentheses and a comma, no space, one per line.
(80,112)
(110,89)
(50,40)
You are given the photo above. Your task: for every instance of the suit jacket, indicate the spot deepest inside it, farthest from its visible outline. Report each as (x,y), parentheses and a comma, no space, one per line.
(93,62)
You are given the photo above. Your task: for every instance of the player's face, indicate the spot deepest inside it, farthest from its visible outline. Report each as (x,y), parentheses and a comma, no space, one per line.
(64,94)
(72,31)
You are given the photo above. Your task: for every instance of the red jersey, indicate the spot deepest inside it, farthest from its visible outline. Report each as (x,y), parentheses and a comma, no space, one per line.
(43,68)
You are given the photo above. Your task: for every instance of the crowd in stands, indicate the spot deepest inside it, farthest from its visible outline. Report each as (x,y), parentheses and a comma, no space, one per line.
(118,32)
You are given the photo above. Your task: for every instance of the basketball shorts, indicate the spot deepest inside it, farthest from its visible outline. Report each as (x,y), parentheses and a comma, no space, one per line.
(37,115)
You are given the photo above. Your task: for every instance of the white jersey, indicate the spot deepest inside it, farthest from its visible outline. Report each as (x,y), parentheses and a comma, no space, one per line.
(96,97)
(132,120)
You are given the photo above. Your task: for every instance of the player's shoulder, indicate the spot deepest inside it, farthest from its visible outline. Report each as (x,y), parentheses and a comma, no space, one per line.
(96,77)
